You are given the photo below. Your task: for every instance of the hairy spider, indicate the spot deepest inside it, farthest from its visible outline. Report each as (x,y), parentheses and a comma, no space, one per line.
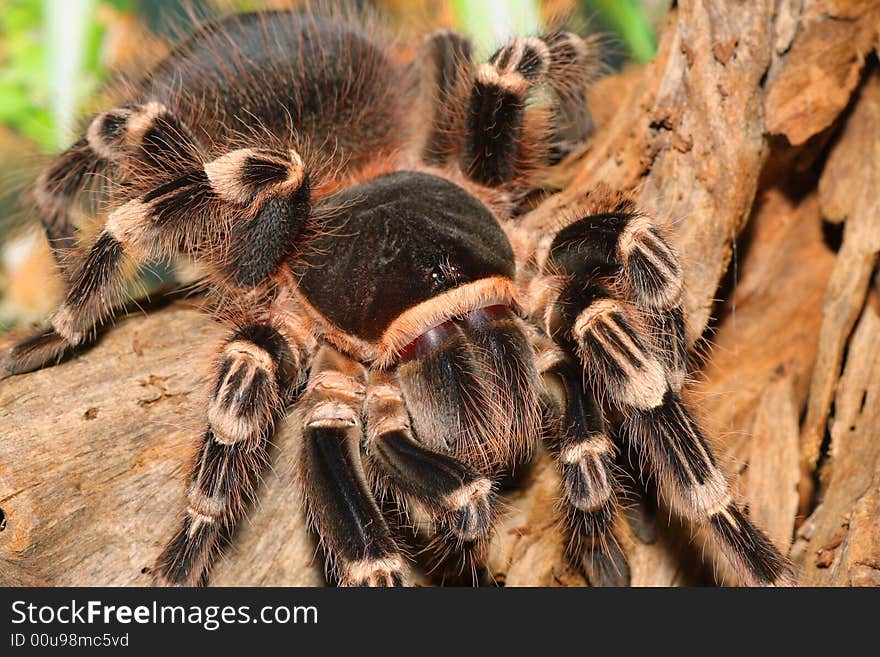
(356,213)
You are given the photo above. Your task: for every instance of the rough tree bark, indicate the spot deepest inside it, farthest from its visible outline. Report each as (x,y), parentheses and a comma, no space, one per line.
(755,136)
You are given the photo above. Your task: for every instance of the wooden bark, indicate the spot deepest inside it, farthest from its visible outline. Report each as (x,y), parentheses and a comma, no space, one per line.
(839,544)
(849,191)
(819,63)
(753,134)
(94,459)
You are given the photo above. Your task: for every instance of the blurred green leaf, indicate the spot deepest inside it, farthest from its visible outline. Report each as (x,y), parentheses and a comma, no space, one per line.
(28,61)
(628,21)
(24,91)
(490,22)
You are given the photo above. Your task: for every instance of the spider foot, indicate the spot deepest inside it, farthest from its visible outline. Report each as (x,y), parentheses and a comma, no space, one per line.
(753,554)
(593,545)
(606,567)
(187,558)
(473,511)
(43,349)
(386,571)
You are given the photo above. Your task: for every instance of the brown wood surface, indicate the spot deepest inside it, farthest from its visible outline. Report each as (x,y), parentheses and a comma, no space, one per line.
(94,487)
(754,138)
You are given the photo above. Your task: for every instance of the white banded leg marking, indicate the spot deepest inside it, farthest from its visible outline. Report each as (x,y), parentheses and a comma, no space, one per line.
(590,458)
(608,340)
(650,265)
(206,508)
(67,325)
(114,131)
(238,176)
(334,400)
(247,395)
(515,67)
(385,411)
(468,494)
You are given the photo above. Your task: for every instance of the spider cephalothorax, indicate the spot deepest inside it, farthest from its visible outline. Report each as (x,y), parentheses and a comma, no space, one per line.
(353,212)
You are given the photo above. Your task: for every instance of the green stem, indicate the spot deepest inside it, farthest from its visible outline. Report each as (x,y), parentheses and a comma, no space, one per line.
(66,22)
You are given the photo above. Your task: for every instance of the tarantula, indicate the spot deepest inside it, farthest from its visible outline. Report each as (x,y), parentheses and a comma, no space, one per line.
(357,216)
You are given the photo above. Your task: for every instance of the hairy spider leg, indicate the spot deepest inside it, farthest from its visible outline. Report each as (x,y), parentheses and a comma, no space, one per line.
(503,138)
(458,497)
(360,547)
(255,365)
(612,241)
(584,455)
(57,190)
(446,75)
(605,308)
(241,213)
(127,144)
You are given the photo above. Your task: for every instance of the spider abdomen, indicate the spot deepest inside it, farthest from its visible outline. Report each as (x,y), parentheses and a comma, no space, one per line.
(283,76)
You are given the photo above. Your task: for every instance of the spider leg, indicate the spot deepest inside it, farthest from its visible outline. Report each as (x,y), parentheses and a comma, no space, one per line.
(116,140)
(446,77)
(471,392)
(617,270)
(254,366)
(501,144)
(613,242)
(56,191)
(459,498)
(585,457)
(359,544)
(242,213)
(574,65)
